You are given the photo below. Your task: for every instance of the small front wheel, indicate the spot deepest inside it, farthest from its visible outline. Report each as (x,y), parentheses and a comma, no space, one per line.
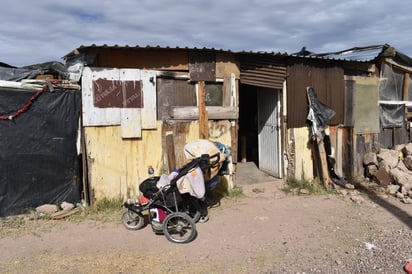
(179,227)
(132,220)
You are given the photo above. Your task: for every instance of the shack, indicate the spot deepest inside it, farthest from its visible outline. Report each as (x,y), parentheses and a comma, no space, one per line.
(367,87)
(141,105)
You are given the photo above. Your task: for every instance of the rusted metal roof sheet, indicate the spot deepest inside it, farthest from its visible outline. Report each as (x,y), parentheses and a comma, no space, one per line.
(357,54)
(262,70)
(105,46)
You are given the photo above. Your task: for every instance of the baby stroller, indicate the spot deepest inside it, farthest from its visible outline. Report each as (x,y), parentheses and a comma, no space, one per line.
(170,209)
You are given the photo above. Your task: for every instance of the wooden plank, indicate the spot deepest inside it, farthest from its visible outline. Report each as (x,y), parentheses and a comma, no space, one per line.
(327,182)
(203,115)
(399,66)
(130,118)
(130,122)
(214,113)
(85,171)
(149,110)
(94,116)
(170,151)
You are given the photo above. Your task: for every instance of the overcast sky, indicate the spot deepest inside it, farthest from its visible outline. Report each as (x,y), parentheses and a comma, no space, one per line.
(45,30)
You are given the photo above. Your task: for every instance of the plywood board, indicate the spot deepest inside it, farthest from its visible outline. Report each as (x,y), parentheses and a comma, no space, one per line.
(92,115)
(149,99)
(130,122)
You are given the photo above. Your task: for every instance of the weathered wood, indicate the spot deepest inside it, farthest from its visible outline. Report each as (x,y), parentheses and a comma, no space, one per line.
(170,151)
(130,122)
(399,66)
(149,110)
(203,117)
(85,171)
(214,113)
(327,182)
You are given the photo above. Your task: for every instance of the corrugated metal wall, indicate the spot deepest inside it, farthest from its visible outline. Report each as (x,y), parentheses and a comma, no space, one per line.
(329,86)
(262,71)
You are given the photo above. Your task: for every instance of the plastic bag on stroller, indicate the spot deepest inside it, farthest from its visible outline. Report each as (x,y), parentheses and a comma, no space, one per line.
(193,182)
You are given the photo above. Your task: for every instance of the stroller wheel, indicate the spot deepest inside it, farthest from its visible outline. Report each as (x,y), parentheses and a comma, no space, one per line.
(179,227)
(191,207)
(132,220)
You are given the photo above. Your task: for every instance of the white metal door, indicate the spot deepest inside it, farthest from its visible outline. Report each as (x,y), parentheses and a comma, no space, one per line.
(269,131)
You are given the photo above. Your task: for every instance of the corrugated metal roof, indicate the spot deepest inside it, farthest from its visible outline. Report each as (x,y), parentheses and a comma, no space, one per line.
(158,47)
(358,54)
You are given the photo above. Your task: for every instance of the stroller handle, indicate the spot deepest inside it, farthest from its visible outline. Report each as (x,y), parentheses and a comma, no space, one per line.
(217,155)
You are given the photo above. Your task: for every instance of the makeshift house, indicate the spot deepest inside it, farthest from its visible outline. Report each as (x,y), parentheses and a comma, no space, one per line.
(141,105)
(369,90)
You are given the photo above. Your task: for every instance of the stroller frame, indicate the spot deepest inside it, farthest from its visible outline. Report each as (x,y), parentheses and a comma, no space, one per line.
(180,211)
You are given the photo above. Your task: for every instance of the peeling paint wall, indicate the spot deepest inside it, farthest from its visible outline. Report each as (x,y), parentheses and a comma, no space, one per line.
(301,161)
(117,166)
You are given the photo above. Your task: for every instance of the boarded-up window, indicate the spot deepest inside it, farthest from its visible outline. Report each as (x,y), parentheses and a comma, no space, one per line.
(117,94)
(329,86)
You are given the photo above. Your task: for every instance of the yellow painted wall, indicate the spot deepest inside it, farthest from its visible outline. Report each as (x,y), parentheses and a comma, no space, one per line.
(117,166)
(303,153)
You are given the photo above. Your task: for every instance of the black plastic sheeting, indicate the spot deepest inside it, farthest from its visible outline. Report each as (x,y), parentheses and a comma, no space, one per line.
(57,69)
(38,157)
(319,114)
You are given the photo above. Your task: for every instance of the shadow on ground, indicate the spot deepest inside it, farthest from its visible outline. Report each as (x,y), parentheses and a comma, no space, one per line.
(393,206)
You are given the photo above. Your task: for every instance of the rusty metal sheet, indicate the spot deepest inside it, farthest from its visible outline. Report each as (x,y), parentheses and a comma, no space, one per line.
(262,71)
(202,66)
(117,94)
(330,89)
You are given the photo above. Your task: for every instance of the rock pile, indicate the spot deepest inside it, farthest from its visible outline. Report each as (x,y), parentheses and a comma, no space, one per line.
(392,170)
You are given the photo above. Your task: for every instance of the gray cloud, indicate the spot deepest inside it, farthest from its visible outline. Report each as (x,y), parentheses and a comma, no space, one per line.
(45,30)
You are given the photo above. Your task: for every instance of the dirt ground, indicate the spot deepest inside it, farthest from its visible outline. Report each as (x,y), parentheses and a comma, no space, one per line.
(263,231)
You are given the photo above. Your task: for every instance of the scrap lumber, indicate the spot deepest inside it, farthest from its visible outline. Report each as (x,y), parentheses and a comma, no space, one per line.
(323,171)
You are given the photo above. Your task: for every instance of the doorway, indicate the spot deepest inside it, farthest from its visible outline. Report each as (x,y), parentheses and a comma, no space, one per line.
(259,128)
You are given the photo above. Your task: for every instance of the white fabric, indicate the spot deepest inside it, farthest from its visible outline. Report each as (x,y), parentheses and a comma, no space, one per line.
(192,183)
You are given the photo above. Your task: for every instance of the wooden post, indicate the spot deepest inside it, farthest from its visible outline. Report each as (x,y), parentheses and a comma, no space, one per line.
(405,86)
(203,115)
(327,182)
(320,153)
(86,195)
(170,150)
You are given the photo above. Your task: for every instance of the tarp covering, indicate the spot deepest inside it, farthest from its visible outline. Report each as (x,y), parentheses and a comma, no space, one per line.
(366,105)
(30,72)
(392,115)
(391,84)
(38,156)
(319,114)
